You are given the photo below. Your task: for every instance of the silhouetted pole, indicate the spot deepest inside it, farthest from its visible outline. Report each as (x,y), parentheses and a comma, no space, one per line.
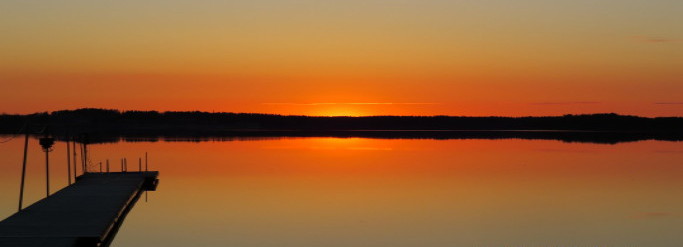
(121,164)
(23,170)
(85,156)
(47,173)
(75,162)
(146,161)
(47,142)
(107,165)
(100,167)
(80,146)
(68,160)
(82,158)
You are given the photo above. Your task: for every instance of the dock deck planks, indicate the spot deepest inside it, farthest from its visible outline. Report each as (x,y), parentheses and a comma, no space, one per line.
(86,213)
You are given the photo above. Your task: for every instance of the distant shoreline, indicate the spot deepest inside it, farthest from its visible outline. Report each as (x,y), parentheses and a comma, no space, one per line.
(102,125)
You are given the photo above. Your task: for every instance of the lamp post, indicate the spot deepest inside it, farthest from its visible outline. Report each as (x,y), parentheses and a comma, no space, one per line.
(46,143)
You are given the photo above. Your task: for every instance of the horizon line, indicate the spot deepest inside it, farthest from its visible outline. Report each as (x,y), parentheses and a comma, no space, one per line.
(351,103)
(377,115)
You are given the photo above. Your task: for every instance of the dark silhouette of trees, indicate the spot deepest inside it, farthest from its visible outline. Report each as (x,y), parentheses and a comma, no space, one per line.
(606,128)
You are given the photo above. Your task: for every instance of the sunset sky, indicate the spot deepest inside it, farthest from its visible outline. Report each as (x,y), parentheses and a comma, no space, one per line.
(351,57)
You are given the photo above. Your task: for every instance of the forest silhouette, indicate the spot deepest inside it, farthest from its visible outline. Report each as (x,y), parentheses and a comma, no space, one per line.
(103,125)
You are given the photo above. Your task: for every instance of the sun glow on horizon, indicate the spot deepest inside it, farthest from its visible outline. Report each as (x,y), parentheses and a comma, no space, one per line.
(347,109)
(340,112)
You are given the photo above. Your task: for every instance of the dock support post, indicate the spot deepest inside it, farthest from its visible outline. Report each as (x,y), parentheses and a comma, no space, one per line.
(68,159)
(47,173)
(140,165)
(146,161)
(23,171)
(85,155)
(83,158)
(107,165)
(100,166)
(74,148)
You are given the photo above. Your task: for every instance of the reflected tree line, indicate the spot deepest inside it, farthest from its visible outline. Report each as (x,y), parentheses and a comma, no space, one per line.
(104,125)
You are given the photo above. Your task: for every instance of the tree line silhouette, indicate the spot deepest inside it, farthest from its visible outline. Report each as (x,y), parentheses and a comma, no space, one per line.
(105,122)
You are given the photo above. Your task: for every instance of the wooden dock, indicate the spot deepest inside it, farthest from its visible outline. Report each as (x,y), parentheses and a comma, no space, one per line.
(86,213)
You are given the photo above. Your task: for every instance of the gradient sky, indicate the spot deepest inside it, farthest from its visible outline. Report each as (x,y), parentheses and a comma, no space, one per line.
(351,57)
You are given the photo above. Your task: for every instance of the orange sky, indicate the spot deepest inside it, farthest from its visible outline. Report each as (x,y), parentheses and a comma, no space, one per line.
(351,57)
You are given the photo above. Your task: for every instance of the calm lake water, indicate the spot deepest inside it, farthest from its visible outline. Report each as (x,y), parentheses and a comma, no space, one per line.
(374,192)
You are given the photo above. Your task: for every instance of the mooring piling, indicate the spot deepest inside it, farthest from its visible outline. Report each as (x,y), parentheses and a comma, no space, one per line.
(23,171)
(68,160)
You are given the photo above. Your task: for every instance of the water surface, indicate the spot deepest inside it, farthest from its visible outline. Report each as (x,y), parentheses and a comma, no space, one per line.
(378,192)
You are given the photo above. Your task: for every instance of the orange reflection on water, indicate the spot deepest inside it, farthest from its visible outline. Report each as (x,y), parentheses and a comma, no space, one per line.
(375,192)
